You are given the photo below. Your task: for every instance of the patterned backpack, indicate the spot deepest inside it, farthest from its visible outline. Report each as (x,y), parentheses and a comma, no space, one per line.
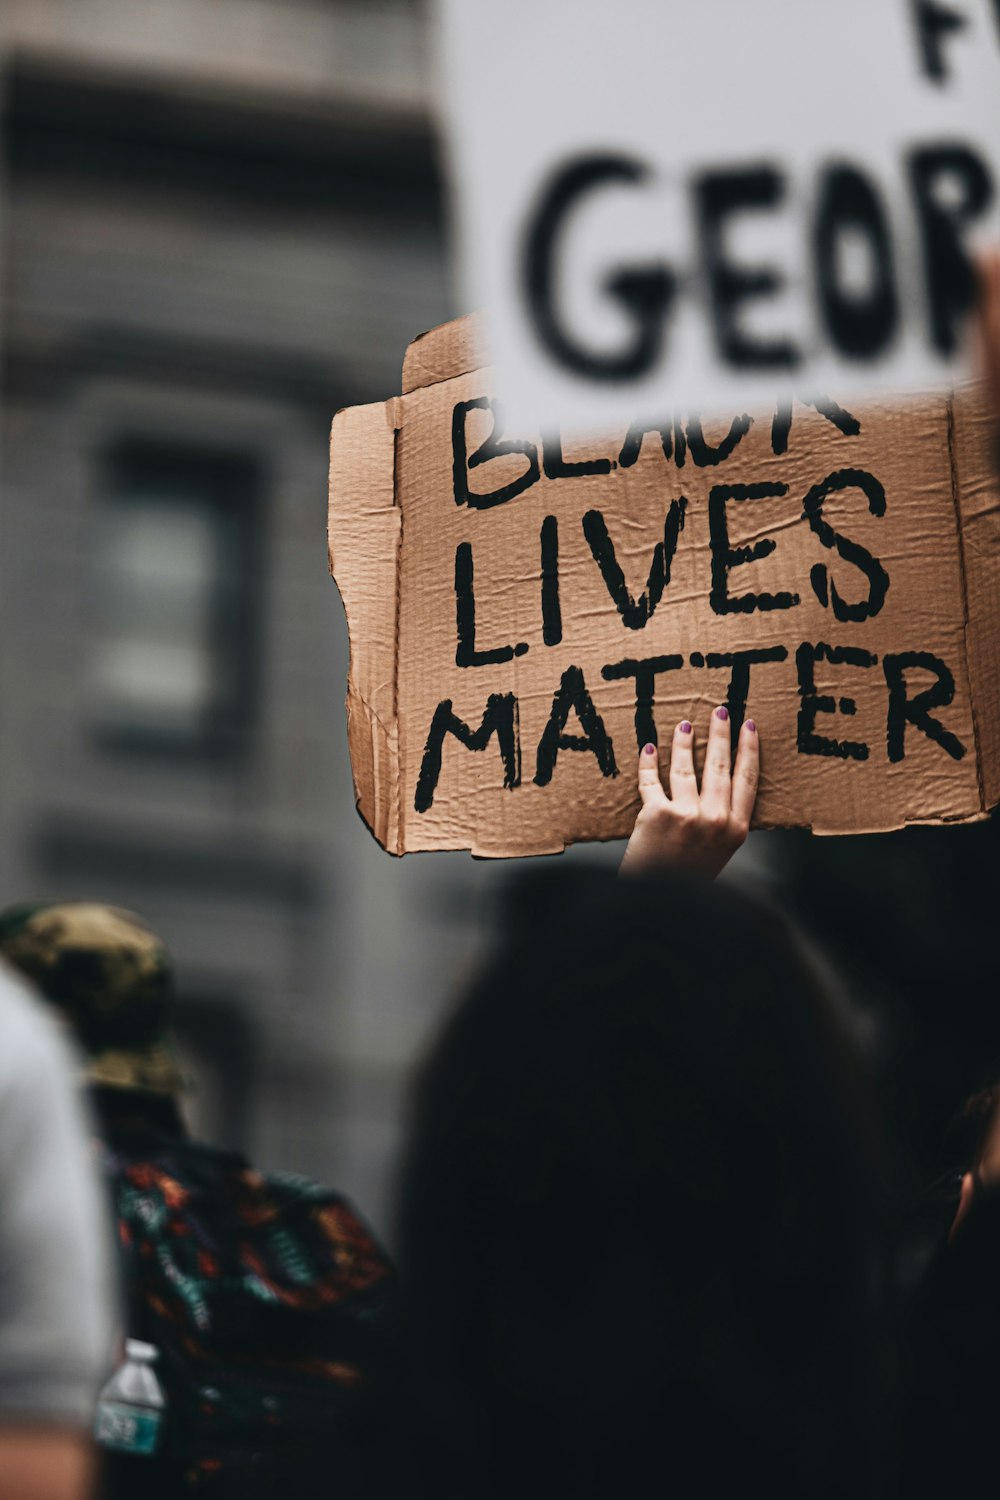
(274,1314)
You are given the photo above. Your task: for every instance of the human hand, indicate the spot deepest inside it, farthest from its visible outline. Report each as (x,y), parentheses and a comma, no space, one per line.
(699,829)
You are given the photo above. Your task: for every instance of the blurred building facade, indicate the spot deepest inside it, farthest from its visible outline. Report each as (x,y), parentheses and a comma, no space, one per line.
(219,224)
(221,220)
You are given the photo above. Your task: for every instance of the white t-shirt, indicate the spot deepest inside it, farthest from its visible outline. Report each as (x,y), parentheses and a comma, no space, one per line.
(56,1299)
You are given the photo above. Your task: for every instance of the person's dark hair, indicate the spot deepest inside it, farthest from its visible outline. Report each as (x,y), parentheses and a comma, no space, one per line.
(124,1113)
(638,1210)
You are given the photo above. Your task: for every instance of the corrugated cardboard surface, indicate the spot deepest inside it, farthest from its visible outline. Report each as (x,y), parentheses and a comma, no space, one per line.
(976,453)
(364,534)
(441,353)
(395,527)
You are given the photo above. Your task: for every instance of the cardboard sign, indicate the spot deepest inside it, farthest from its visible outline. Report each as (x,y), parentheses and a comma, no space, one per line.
(705,204)
(524,614)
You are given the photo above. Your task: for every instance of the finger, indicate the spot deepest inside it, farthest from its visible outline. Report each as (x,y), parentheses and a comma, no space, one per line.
(746,773)
(715,782)
(650,785)
(683,782)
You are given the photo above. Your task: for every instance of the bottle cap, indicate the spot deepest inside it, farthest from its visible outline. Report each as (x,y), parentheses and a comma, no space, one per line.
(137,1350)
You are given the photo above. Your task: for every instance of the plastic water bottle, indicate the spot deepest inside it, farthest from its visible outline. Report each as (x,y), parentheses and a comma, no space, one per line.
(131,1406)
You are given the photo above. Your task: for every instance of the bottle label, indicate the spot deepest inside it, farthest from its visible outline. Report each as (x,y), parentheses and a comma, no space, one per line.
(127,1429)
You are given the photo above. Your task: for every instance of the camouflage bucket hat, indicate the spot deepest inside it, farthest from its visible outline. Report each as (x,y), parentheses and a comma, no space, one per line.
(110,978)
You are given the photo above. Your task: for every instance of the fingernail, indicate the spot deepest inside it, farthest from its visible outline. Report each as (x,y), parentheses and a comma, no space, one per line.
(751,726)
(649,749)
(685,727)
(722,713)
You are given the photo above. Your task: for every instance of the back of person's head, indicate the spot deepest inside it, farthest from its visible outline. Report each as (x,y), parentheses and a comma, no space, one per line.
(637,1215)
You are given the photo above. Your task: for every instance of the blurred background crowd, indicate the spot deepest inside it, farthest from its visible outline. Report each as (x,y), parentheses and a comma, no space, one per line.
(220,222)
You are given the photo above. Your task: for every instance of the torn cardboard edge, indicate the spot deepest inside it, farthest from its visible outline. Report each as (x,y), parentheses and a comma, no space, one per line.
(365,538)
(444,353)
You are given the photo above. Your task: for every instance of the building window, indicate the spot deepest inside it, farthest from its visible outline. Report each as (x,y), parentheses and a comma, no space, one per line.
(176,596)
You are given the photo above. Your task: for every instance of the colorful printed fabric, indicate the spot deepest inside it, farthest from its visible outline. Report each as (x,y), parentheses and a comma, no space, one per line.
(271,1304)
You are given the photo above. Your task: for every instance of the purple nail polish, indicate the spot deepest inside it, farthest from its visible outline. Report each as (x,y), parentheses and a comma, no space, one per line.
(649,749)
(685,727)
(722,713)
(751,726)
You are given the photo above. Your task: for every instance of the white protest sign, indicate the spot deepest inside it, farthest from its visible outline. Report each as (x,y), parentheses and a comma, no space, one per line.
(668,205)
